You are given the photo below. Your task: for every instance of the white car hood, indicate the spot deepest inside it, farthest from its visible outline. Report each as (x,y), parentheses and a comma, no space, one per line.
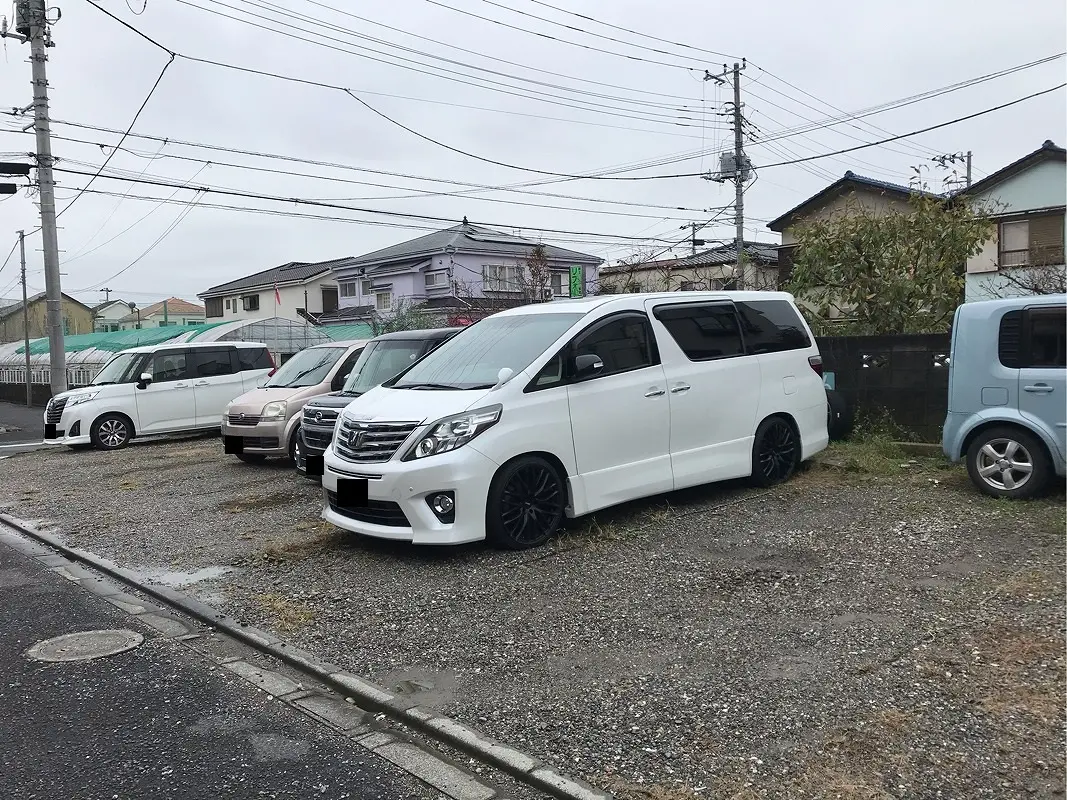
(414,405)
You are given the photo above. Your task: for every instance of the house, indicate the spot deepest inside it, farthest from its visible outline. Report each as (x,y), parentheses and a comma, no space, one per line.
(851,190)
(711,269)
(298,291)
(172,311)
(1025,254)
(77,318)
(106,315)
(463,269)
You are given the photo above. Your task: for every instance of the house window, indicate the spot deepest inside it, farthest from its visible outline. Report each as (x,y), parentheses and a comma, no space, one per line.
(227,307)
(561,284)
(633,287)
(383,301)
(1014,244)
(435,280)
(213,307)
(250,302)
(367,288)
(348,289)
(688,286)
(502,278)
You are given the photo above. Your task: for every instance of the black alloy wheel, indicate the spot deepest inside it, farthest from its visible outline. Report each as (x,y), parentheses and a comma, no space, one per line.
(775,452)
(525,504)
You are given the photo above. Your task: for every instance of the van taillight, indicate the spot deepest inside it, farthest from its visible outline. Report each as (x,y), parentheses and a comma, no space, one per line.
(816,364)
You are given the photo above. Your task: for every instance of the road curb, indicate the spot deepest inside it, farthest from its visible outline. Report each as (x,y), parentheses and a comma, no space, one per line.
(444,730)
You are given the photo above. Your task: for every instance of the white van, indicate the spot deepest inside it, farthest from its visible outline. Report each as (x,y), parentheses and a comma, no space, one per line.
(145,391)
(567,407)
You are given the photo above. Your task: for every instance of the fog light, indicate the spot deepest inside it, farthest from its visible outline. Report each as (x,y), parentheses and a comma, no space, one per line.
(442,504)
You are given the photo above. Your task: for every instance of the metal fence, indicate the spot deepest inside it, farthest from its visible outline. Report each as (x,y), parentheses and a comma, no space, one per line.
(904,376)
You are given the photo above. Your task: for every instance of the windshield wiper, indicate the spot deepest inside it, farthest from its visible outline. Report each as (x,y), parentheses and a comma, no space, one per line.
(427,386)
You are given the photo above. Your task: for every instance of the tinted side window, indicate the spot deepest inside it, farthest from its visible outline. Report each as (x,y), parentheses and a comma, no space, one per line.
(254,358)
(1048,337)
(214,361)
(1010,340)
(771,326)
(623,344)
(170,365)
(703,332)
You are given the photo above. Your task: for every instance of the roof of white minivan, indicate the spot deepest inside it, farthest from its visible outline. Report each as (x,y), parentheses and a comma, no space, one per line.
(155,348)
(583,305)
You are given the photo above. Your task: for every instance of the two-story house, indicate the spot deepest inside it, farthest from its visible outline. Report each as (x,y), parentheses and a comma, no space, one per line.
(297,291)
(14,316)
(165,313)
(466,268)
(1026,254)
(709,270)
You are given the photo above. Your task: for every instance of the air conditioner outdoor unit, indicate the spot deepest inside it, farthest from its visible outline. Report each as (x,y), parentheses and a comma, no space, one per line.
(546,295)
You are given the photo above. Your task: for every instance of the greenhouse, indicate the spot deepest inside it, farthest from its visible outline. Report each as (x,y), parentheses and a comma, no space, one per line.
(87,353)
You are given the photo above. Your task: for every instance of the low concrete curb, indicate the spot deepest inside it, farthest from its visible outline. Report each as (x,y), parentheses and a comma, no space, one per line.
(515,763)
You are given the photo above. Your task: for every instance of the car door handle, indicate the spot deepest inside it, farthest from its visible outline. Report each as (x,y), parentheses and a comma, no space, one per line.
(201,383)
(1038,388)
(681,387)
(654,391)
(181,385)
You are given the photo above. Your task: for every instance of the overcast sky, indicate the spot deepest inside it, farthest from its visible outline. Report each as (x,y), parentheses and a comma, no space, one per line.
(556,107)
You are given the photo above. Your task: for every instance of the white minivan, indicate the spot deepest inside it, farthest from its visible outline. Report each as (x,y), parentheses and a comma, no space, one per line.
(567,407)
(166,388)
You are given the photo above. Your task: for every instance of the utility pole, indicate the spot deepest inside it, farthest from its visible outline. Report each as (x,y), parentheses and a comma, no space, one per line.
(107,294)
(31,25)
(735,168)
(953,158)
(968,169)
(694,242)
(25,319)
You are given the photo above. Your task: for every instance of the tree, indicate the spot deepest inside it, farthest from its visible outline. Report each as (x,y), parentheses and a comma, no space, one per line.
(1016,281)
(404,316)
(887,272)
(528,282)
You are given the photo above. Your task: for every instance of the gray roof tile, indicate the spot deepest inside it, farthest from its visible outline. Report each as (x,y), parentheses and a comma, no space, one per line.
(286,273)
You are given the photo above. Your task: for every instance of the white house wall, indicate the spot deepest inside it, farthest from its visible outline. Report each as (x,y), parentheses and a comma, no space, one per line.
(292,298)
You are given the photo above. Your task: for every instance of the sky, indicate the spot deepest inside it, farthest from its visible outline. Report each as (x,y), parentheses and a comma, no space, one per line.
(565,87)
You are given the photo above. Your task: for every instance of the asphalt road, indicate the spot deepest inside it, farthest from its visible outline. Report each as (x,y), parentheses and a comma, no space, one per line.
(21,424)
(153,722)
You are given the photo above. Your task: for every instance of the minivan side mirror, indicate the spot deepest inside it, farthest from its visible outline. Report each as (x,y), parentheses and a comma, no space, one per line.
(339,381)
(586,366)
(145,379)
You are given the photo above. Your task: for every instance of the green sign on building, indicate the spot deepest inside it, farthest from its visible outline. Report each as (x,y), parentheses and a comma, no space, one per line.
(577,284)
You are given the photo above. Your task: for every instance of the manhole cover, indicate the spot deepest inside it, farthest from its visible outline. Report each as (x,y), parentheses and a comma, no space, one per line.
(85,645)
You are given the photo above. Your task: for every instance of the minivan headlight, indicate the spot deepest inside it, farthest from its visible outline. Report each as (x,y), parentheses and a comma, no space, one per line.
(275,410)
(452,432)
(83,397)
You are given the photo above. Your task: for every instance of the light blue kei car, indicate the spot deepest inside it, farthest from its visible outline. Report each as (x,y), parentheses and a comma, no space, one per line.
(1007,393)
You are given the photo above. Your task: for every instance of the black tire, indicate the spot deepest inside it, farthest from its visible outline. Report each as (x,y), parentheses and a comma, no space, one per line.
(1008,462)
(293,443)
(111,432)
(838,417)
(525,504)
(775,452)
(251,458)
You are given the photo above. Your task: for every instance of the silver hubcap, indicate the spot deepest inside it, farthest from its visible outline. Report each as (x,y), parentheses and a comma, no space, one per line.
(112,432)
(1005,464)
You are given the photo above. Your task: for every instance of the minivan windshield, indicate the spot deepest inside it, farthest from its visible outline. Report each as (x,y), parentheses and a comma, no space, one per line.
(380,361)
(473,359)
(306,368)
(122,368)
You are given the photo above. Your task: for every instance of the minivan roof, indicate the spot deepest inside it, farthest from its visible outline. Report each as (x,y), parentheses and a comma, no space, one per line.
(983,307)
(155,348)
(418,335)
(340,343)
(583,305)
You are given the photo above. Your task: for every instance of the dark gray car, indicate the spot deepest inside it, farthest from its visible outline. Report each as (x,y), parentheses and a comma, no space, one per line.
(382,358)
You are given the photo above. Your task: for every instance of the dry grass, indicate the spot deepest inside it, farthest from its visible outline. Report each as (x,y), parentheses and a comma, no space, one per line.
(288,615)
(323,538)
(623,790)
(242,505)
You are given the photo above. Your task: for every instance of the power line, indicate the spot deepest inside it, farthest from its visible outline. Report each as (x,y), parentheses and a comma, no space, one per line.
(920,130)
(15,245)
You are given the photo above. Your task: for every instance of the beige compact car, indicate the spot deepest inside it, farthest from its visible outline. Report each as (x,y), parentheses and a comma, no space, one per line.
(266,421)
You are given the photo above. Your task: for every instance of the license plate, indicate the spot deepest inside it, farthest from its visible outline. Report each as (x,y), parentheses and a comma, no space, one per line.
(313,465)
(50,431)
(233,445)
(352,492)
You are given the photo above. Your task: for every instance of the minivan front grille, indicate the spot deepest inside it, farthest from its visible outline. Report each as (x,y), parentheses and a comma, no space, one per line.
(54,410)
(317,441)
(376,512)
(320,416)
(371,441)
(243,419)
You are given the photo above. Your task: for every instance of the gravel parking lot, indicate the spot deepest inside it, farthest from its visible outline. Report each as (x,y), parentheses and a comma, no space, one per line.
(873,629)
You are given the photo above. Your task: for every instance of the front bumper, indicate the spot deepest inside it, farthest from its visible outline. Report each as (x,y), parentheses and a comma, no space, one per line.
(398,491)
(72,428)
(263,438)
(314,441)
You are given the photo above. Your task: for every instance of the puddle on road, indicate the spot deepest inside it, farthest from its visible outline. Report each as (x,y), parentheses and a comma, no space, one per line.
(177,579)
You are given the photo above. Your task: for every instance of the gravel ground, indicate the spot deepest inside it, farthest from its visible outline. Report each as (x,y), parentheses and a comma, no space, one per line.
(848,635)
